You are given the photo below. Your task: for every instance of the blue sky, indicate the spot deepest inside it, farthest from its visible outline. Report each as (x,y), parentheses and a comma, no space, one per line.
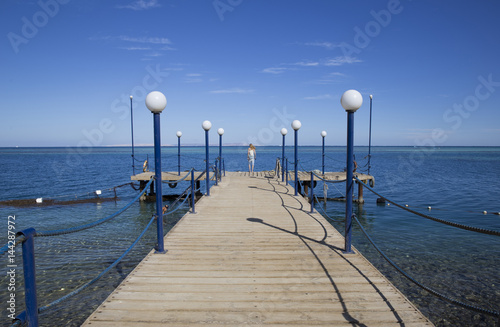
(251,67)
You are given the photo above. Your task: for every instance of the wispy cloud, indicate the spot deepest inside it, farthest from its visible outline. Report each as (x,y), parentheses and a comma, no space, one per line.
(319,97)
(326,45)
(145,39)
(193,78)
(275,70)
(233,90)
(339,61)
(141,5)
(307,63)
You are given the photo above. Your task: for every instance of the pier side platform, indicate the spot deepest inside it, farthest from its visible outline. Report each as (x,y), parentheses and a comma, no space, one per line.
(253,254)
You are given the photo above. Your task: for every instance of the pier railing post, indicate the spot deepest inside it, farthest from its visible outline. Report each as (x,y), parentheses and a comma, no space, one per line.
(323,135)
(286,172)
(193,192)
(296,126)
(220,131)
(283,131)
(312,192)
(30,297)
(206,126)
(216,173)
(179,134)
(156,102)
(351,101)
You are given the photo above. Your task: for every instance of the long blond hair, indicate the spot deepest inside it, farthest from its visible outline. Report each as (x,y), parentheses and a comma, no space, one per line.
(251,146)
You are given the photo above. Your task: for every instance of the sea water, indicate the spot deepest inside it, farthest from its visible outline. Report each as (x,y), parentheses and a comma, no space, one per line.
(459,184)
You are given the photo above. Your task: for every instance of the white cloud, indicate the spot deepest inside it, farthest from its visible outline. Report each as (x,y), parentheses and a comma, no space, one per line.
(327,45)
(145,39)
(274,70)
(306,64)
(141,5)
(339,61)
(319,97)
(233,90)
(193,78)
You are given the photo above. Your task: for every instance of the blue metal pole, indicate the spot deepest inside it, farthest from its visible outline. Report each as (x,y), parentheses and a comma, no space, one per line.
(283,160)
(286,172)
(224,167)
(159,197)
(207,175)
(216,173)
(349,181)
(370,137)
(179,156)
(296,179)
(312,192)
(323,156)
(132,129)
(30,276)
(192,192)
(220,154)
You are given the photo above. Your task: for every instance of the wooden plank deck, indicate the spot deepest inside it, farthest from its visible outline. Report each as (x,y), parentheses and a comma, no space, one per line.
(254,255)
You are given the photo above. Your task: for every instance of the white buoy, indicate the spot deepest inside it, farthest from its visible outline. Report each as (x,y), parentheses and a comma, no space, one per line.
(485,212)
(39,200)
(406,205)
(429,207)
(98,192)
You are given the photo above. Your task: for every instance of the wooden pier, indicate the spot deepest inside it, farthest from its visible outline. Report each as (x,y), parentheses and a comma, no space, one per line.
(253,254)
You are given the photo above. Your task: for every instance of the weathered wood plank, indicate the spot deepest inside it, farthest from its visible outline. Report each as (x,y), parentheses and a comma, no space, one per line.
(254,255)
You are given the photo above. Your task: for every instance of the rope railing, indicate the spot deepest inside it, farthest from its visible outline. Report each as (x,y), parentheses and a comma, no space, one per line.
(93,224)
(442,221)
(179,180)
(428,289)
(22,316)
(19,239)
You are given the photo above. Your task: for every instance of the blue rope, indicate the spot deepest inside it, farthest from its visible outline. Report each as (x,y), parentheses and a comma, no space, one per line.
(180,180)
(10,246)
(87,226)
(178,207)
(439,295)
(81,288)
(442,221)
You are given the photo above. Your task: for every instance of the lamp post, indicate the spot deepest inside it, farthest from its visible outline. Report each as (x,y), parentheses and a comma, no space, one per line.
(206,126)
(220,131)
(323,135)
(156,102)
(283,132)
(179,134)
(132,129)
(370,137)
(296,126)
(351,101)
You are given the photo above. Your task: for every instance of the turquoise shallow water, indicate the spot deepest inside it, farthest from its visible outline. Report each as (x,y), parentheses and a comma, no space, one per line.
(459,183)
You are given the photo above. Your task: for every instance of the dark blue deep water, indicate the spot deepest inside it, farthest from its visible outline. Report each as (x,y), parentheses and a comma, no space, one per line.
(458,183)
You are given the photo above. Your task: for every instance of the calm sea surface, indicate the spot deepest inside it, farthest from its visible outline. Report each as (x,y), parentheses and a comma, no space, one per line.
(458,183)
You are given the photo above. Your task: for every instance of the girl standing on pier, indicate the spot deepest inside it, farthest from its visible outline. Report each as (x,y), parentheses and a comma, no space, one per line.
(251,156)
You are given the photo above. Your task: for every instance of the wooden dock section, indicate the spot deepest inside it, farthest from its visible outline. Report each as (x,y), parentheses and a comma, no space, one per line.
(252,254)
